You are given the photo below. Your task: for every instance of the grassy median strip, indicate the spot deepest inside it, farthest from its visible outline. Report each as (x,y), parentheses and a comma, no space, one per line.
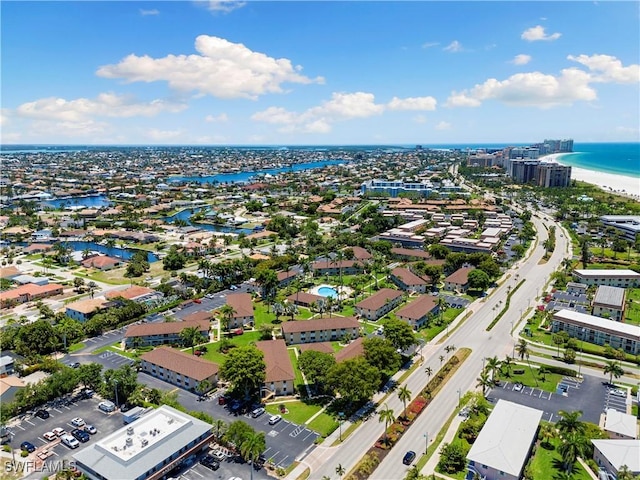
(506,305)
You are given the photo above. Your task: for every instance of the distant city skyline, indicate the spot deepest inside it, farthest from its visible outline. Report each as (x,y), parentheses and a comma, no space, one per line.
(319,73)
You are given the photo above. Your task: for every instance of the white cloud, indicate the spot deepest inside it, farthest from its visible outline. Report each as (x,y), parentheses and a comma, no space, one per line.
(162,135)
(430,44)
(412,103)
(453,47)
(608,68)
(342,106)
(224,6)
(419,119)
(104,105)
(537,33)
(529,89)
(443,126)
(4,117)
(86,128)
(222,69)
(217,118)
(521,59)
(146,13)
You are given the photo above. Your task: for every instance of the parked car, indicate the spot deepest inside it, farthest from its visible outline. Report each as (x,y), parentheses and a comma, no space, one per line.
(43,414)
(274,419)
(77,422)
(70,441)
(257,412)
(107,406)
(49,436)
(90,429)
(618,392)
(409,457)
(197,300)
(87,393)
(518,387)
(28,446)
(210,462)
(80,435)
(222,400)
(74,364)
(59,431)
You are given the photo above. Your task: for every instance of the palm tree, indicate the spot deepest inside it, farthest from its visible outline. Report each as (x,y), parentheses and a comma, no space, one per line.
(624,473)
(429,372)
(522,348)
(386,415)
(507,362)
(441,357)
(340,470)
(573,445)
(252,446)
(227,312)
(404,395)
(493,367)
(570,423)
(220,427)
(442,303)
(484,381)
(614,369)
(547,432)
(190,337)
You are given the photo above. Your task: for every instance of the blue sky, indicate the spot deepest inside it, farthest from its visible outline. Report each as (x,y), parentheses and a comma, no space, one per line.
(307,73)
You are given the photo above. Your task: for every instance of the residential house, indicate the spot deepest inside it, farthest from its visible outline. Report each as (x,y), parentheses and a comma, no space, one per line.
(286,277)
(612,455)
(410,254)
(503,446)
(243,309)
(458,280)
(613,278)
(599,331)
(7,365)
(353,350)
(152,334)
(332,267)
(280,378)
(9,386)
(101,262)
(620,425)
(304,299)
(417,312)
(360,254)
(83,310)
(28,293)
(320,330)
(324,347)
(408,281)
(577,288)
(136,293)
(379,304)
(179,368)
(9,272)
(609,302)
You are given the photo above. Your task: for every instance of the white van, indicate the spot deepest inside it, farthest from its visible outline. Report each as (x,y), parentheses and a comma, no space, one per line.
(70,441)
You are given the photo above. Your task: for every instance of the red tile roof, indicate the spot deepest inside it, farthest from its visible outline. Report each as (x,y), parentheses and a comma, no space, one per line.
(407,277)
(379,299)
(354,349)
(419,307)
(146,329)
(181,362)
(277,360)
(130,293)
(460,276)
(241,303)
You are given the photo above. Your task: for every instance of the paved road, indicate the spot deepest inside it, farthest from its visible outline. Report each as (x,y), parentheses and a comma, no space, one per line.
(471,334)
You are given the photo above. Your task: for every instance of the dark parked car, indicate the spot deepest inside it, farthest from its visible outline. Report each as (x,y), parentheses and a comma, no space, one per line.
(74,364)
(210,461)
(43,414)
(409,457)
(80,435)
(28,446)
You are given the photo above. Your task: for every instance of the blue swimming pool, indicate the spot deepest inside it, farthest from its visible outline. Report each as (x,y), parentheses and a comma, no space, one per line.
(327,292)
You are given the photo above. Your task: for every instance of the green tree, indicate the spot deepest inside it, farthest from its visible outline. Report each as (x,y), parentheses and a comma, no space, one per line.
(484,381)
(354,379)
(381,353)
(124,380)
(237,432)
(244,367)
(493,367)
(315,366)
(252,446)
(227,313)
(572,446)
(453,457)
(174,260)
(387,416)
(399,333)
(190,337)
(570,423)
(404,395)
(90,375)
(614,369)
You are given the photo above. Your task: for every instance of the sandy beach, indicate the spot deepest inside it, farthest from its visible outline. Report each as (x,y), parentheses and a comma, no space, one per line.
(620,184)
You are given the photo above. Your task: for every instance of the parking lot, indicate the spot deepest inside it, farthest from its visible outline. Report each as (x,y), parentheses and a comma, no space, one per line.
(591,396)
(32,428)
(285,440)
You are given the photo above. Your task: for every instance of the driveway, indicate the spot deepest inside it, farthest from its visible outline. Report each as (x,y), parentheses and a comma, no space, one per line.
(587,396)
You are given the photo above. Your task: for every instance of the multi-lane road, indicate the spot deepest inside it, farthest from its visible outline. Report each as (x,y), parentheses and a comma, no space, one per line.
(471,334)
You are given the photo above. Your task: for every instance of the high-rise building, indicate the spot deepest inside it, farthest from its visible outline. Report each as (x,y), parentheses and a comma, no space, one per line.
(553,175)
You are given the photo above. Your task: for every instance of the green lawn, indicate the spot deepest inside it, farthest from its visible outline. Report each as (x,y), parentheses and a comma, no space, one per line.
(632,313)
(324,424)
(261,316)
(215,356)
(298,412)
(548,464)
(304,313)
(548,384)
(76,346)
(299,381)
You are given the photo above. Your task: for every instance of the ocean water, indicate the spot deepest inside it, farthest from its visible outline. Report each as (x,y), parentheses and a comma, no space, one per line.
(614,158)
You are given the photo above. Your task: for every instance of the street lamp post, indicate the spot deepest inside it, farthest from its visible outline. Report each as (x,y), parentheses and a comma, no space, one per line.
(115,388)
(426,442)
(341,418)
(580,359)
(459,399)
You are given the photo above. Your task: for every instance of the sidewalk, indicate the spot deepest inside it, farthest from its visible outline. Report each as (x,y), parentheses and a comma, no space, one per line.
(431,464)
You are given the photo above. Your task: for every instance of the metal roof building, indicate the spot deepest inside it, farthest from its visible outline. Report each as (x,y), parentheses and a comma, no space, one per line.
(146,449)
(504,443)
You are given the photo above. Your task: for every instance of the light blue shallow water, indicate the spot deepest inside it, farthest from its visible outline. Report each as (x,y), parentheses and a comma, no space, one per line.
(327,292)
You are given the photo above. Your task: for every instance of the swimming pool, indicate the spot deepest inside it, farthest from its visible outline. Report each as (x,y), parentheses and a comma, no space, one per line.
(325,291)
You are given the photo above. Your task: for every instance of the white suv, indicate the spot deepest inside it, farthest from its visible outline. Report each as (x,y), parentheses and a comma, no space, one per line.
(77,422)
(70,441)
